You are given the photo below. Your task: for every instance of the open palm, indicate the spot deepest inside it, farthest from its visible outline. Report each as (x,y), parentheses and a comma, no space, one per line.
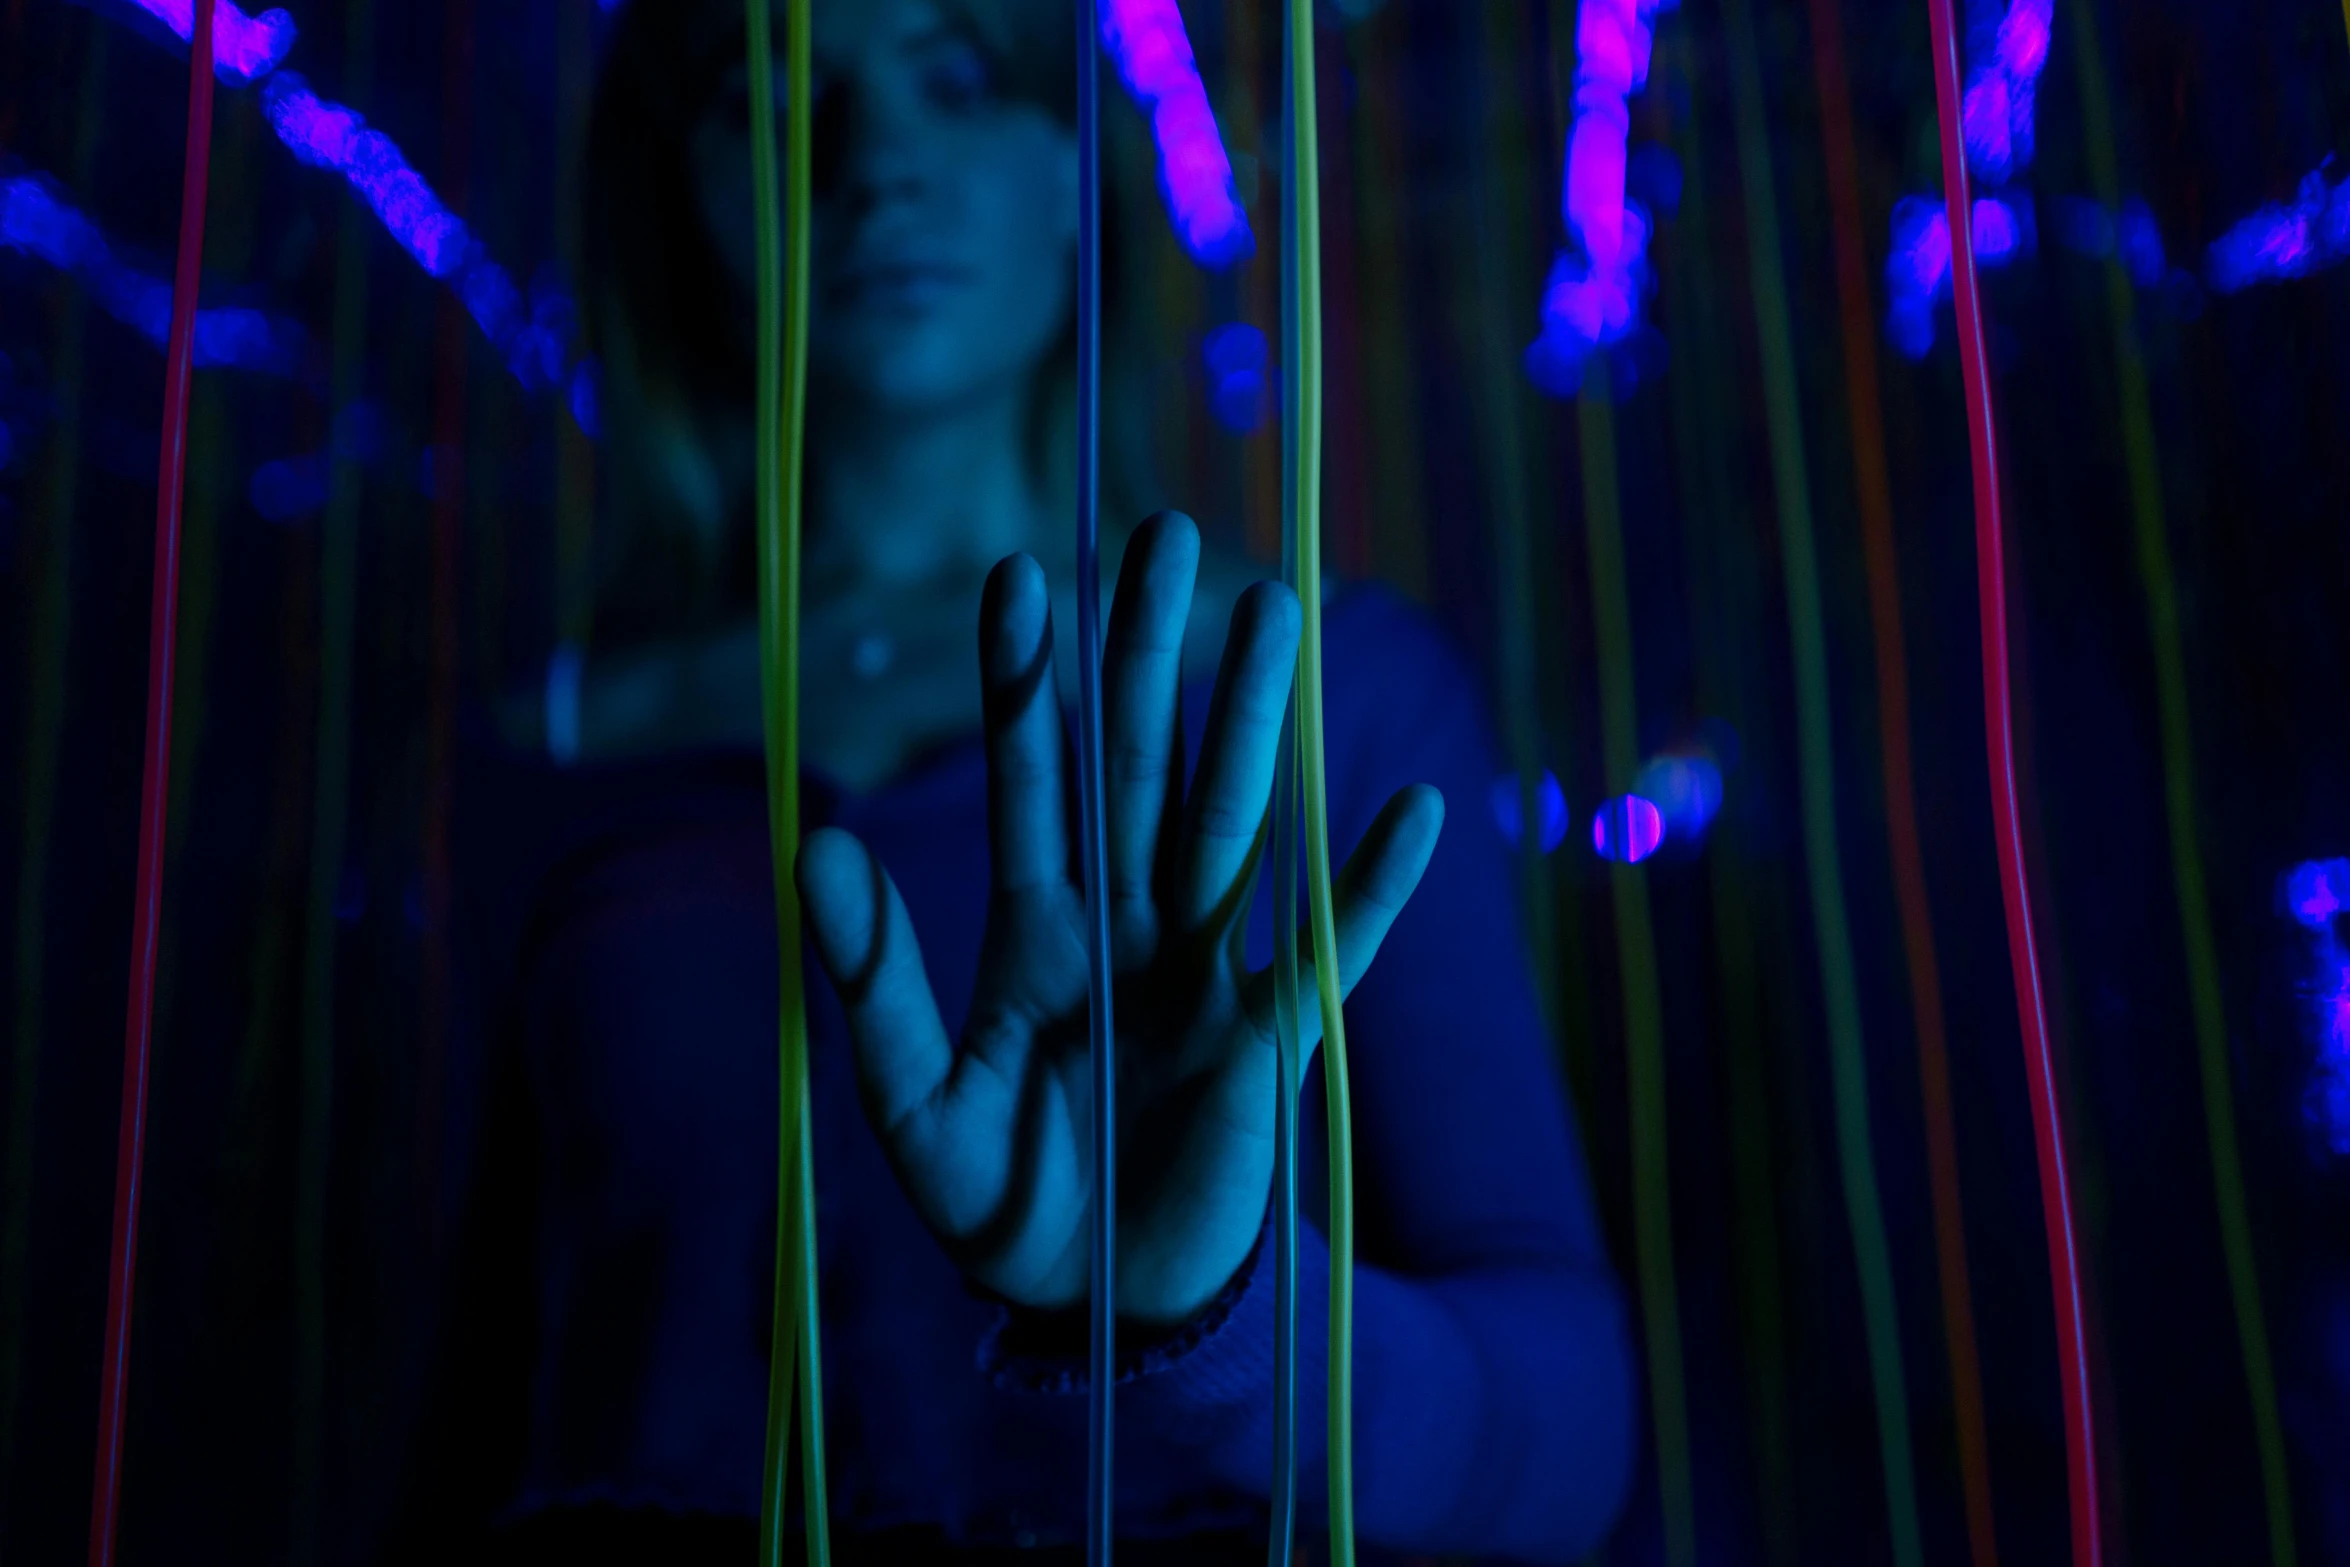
(988,1134)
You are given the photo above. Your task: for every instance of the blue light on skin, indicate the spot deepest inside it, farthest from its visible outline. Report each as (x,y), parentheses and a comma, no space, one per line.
(1146,40)
(245,48)
(1550,804)
(1628,828)
(1592,296)
(2317,892)
(36,220)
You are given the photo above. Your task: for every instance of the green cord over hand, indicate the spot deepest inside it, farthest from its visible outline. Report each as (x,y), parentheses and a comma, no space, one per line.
(782,409)
(1305,358)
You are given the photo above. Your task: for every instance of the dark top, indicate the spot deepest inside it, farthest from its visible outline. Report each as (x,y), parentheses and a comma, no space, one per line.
(1493,1375)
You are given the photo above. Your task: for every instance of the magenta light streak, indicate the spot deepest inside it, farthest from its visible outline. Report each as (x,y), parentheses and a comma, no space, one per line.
(1592,296)
(1996,114)
(2280,242)
(327,135)
(2316,892)
(245,48)
(1147,42)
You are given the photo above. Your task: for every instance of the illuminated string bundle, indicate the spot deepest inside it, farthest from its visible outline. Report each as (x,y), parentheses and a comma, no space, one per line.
(2047,1124)
(154,791)
(793,1340)
(1839,983)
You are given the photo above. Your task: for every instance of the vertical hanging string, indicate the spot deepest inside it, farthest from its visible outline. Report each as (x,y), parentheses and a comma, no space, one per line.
(1305,364)
(1722,577)
(1874,491)
(2144,467)
(154,789)
(1092,825)
(1652,1209)
(1991,585)
(1839,986)
(330,803)
(1282,1543)
(782,249)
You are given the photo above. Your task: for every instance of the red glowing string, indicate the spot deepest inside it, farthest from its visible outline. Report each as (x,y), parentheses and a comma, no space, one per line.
(2047,1121)
(154,790)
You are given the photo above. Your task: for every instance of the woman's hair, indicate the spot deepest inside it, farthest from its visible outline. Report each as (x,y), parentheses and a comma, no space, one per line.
(665,317)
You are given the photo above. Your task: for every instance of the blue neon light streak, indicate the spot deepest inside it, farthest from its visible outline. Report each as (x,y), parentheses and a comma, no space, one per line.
(245,48)
(1592,296)
(1917,273)
(1146,40)
(36,220)
(2286,241)
(329,136)
(2317,892)
(1996,115)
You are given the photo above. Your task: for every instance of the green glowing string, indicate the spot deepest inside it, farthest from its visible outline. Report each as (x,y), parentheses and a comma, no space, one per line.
(2178,776)
(782,409)
(1839,987)
(1722,573)
(1305,359)
(1652,1212)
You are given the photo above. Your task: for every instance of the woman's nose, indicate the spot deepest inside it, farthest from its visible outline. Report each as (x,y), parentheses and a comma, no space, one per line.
(869,149)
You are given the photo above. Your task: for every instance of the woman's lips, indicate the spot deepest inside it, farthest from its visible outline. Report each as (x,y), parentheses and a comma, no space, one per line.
(895,285)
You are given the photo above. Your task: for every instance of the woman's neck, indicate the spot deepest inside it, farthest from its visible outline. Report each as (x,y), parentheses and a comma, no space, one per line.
(906,497)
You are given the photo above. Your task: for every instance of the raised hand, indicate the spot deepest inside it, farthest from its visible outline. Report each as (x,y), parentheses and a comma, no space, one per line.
(988,1134)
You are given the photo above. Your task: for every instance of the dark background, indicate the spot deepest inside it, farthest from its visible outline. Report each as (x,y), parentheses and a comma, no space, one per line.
(306,963)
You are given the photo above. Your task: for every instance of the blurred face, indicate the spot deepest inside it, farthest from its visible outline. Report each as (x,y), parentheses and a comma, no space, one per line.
(945,214)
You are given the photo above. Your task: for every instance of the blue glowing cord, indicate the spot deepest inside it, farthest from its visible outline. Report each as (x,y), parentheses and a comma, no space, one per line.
(1146,40)
(35,219)
(1094,845)
(2286,241)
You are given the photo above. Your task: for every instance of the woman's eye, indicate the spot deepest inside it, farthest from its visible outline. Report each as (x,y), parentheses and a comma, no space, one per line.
(957,80)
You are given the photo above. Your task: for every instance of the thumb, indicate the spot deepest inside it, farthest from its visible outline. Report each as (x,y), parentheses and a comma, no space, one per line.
(866,943)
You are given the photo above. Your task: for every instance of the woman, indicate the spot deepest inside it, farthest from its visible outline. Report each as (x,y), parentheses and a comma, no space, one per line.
(1493,1379)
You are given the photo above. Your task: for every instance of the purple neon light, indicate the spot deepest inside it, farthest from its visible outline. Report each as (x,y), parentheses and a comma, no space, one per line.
(36,220)
(1147,42)
(2286,241)
(329,136)
(245,48)
(1592,296)
(1996,114)
(2316,892)
(1917,273)
(1628,828)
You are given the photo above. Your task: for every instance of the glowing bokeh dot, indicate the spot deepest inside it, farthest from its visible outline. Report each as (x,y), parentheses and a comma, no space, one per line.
(1628,829)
